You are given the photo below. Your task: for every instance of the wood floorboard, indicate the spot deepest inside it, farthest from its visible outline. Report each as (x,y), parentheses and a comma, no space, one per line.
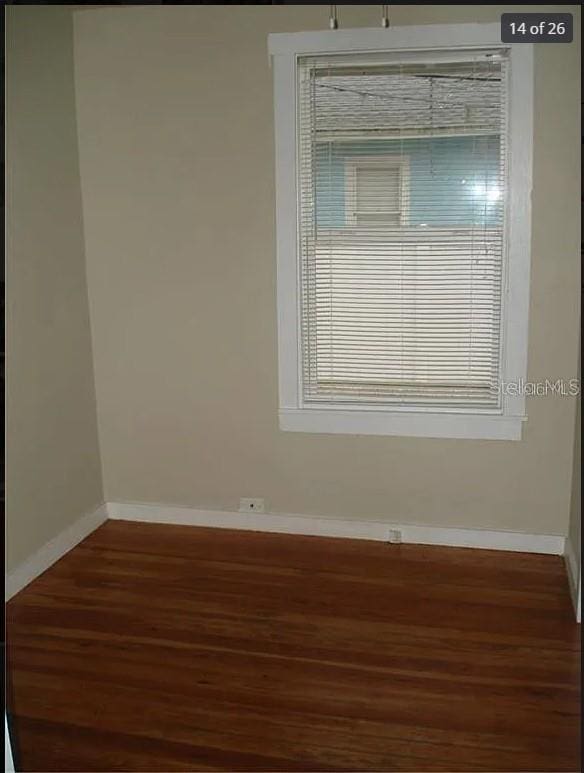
(153,647)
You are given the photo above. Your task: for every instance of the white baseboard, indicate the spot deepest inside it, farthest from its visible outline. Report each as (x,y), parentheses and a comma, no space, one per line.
(335,527)
(8,760)
(55,549)
(573,569)
(290,524)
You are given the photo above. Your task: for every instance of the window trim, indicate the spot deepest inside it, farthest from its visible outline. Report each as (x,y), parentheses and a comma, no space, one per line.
(443,41)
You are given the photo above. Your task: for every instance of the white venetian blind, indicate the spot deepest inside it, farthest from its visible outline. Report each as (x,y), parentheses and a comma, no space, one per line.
(402,185)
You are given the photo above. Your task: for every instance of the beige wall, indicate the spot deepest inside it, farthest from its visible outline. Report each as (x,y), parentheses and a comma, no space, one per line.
(576,503)
(53,466)
(177,165)
(575,525)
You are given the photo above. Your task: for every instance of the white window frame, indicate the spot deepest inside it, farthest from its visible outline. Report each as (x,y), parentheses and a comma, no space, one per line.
(443,41)
(387,161)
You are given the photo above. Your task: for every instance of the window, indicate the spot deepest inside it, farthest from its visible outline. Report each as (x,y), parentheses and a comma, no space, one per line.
(376,190)
(403,185)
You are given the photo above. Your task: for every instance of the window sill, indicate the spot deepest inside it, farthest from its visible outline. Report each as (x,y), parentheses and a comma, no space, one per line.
(405,424)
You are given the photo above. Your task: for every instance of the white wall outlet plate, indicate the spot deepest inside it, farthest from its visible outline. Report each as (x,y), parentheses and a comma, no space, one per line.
(250,505)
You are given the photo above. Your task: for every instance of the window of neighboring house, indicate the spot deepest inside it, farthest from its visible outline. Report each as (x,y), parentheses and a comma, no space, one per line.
(376,190)
(403,230)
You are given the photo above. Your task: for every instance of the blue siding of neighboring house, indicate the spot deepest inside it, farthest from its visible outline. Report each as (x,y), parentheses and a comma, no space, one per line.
(447,184)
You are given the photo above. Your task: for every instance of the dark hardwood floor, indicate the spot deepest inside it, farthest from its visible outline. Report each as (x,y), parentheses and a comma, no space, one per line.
(161,648)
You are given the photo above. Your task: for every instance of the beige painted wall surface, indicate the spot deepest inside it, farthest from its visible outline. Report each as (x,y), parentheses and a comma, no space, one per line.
(175,118)
(53,465)
(576,505)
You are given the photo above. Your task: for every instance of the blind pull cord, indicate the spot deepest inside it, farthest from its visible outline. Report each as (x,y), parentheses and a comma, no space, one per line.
(384,16)
(333,22)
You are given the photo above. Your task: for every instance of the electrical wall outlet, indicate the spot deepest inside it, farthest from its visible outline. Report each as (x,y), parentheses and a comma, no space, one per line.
(250,505)
(394,536)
